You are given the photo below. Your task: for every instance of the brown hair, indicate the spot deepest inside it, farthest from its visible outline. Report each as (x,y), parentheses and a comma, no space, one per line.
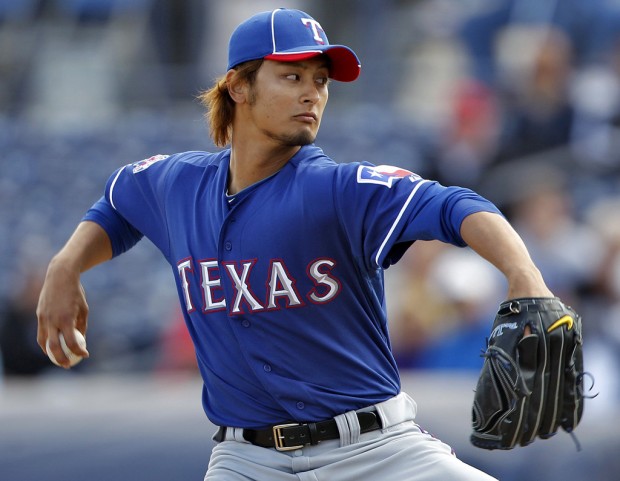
(219,104)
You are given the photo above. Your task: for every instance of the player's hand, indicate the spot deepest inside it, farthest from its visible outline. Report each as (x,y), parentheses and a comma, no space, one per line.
(62,306)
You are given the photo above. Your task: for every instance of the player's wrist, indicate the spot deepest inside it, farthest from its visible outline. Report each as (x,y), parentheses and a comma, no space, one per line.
(526,282)
(64,265)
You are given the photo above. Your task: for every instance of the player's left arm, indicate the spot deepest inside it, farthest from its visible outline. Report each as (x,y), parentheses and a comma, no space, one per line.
(493,238)
(532,376)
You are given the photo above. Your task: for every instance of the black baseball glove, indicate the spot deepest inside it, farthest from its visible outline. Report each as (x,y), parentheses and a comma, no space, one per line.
(532,379)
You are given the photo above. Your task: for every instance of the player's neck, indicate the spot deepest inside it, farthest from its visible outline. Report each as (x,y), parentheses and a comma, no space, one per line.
(251,163)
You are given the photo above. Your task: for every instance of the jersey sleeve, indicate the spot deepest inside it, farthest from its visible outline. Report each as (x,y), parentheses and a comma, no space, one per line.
(138,193)
(123,236)
(384,209)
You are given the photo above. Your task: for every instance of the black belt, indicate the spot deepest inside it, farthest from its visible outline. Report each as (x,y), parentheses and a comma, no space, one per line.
(286,437)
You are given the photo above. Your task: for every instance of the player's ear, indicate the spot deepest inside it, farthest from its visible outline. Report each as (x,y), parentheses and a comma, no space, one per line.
(237,88)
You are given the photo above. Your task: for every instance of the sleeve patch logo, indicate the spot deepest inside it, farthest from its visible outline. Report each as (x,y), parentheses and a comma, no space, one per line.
(383,175)
(146,163)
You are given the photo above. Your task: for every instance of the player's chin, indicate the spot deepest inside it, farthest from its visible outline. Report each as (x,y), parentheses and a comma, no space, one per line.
(305,137)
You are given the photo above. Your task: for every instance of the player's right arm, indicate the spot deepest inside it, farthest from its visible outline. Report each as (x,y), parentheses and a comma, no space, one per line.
(113,225)
(62,302)
(102,234)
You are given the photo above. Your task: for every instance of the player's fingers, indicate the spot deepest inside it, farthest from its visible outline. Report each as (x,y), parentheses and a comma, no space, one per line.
(41,332)
(81,324)
(49,328)
(53,349)
(77,346)
(43,323)
(527,331)
(62,314)
(81,320)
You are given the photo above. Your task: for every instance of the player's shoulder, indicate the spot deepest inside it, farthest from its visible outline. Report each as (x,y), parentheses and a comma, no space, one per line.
(201,158)
(311,157)
(313,161)
(179,161)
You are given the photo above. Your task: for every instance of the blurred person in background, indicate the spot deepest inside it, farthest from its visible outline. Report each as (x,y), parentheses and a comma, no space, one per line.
(417,311)
(537,113)
(21,356)
(470,288)
(471,139)
(552,68)
(544,213)
(601,302)
(591,28)
(176,351)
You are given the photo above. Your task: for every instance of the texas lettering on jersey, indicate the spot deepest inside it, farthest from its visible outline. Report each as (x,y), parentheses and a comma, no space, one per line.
(281,290)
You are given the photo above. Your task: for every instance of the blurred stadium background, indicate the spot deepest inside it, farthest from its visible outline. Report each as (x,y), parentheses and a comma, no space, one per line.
(518,99)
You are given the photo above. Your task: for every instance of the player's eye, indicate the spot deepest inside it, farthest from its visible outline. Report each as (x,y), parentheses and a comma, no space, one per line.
(322,80)
(292,76)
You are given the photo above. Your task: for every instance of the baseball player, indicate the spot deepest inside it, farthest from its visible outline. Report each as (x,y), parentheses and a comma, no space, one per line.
(278,254)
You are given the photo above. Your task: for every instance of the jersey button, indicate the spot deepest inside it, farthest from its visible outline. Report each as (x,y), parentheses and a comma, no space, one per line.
(245,323)
(228,246)
(300,405)
(267,367)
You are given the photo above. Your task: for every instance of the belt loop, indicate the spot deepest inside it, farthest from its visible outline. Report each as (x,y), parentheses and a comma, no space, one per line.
(343,429)
(355,430)
(348,427)
(237,435)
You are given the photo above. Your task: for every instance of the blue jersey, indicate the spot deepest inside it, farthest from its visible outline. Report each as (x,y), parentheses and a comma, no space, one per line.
(282,285)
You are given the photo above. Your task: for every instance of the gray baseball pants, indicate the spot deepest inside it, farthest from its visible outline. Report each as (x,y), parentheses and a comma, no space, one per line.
(401,451)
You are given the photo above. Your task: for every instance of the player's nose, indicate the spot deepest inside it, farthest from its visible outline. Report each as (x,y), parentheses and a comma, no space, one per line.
(310,92)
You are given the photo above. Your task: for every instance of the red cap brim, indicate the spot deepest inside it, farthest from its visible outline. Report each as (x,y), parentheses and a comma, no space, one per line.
(345,66)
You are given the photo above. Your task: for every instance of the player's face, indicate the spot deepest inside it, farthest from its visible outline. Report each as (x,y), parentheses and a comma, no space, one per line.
(288,98)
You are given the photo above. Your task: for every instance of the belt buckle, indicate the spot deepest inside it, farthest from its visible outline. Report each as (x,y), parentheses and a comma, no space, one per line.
(278,438)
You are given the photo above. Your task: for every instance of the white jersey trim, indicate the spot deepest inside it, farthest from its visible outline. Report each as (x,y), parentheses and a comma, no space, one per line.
(397,221)
(112,186)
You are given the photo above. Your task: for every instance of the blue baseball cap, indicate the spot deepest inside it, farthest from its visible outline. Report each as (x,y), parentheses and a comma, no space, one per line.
(287,35)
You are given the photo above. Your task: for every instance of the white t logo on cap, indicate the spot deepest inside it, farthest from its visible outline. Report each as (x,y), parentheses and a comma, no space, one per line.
(316,26)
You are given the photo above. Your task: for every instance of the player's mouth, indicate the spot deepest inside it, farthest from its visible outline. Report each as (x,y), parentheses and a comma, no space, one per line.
(308,117)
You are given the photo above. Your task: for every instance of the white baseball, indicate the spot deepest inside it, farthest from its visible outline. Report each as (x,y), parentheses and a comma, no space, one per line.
(73,358)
